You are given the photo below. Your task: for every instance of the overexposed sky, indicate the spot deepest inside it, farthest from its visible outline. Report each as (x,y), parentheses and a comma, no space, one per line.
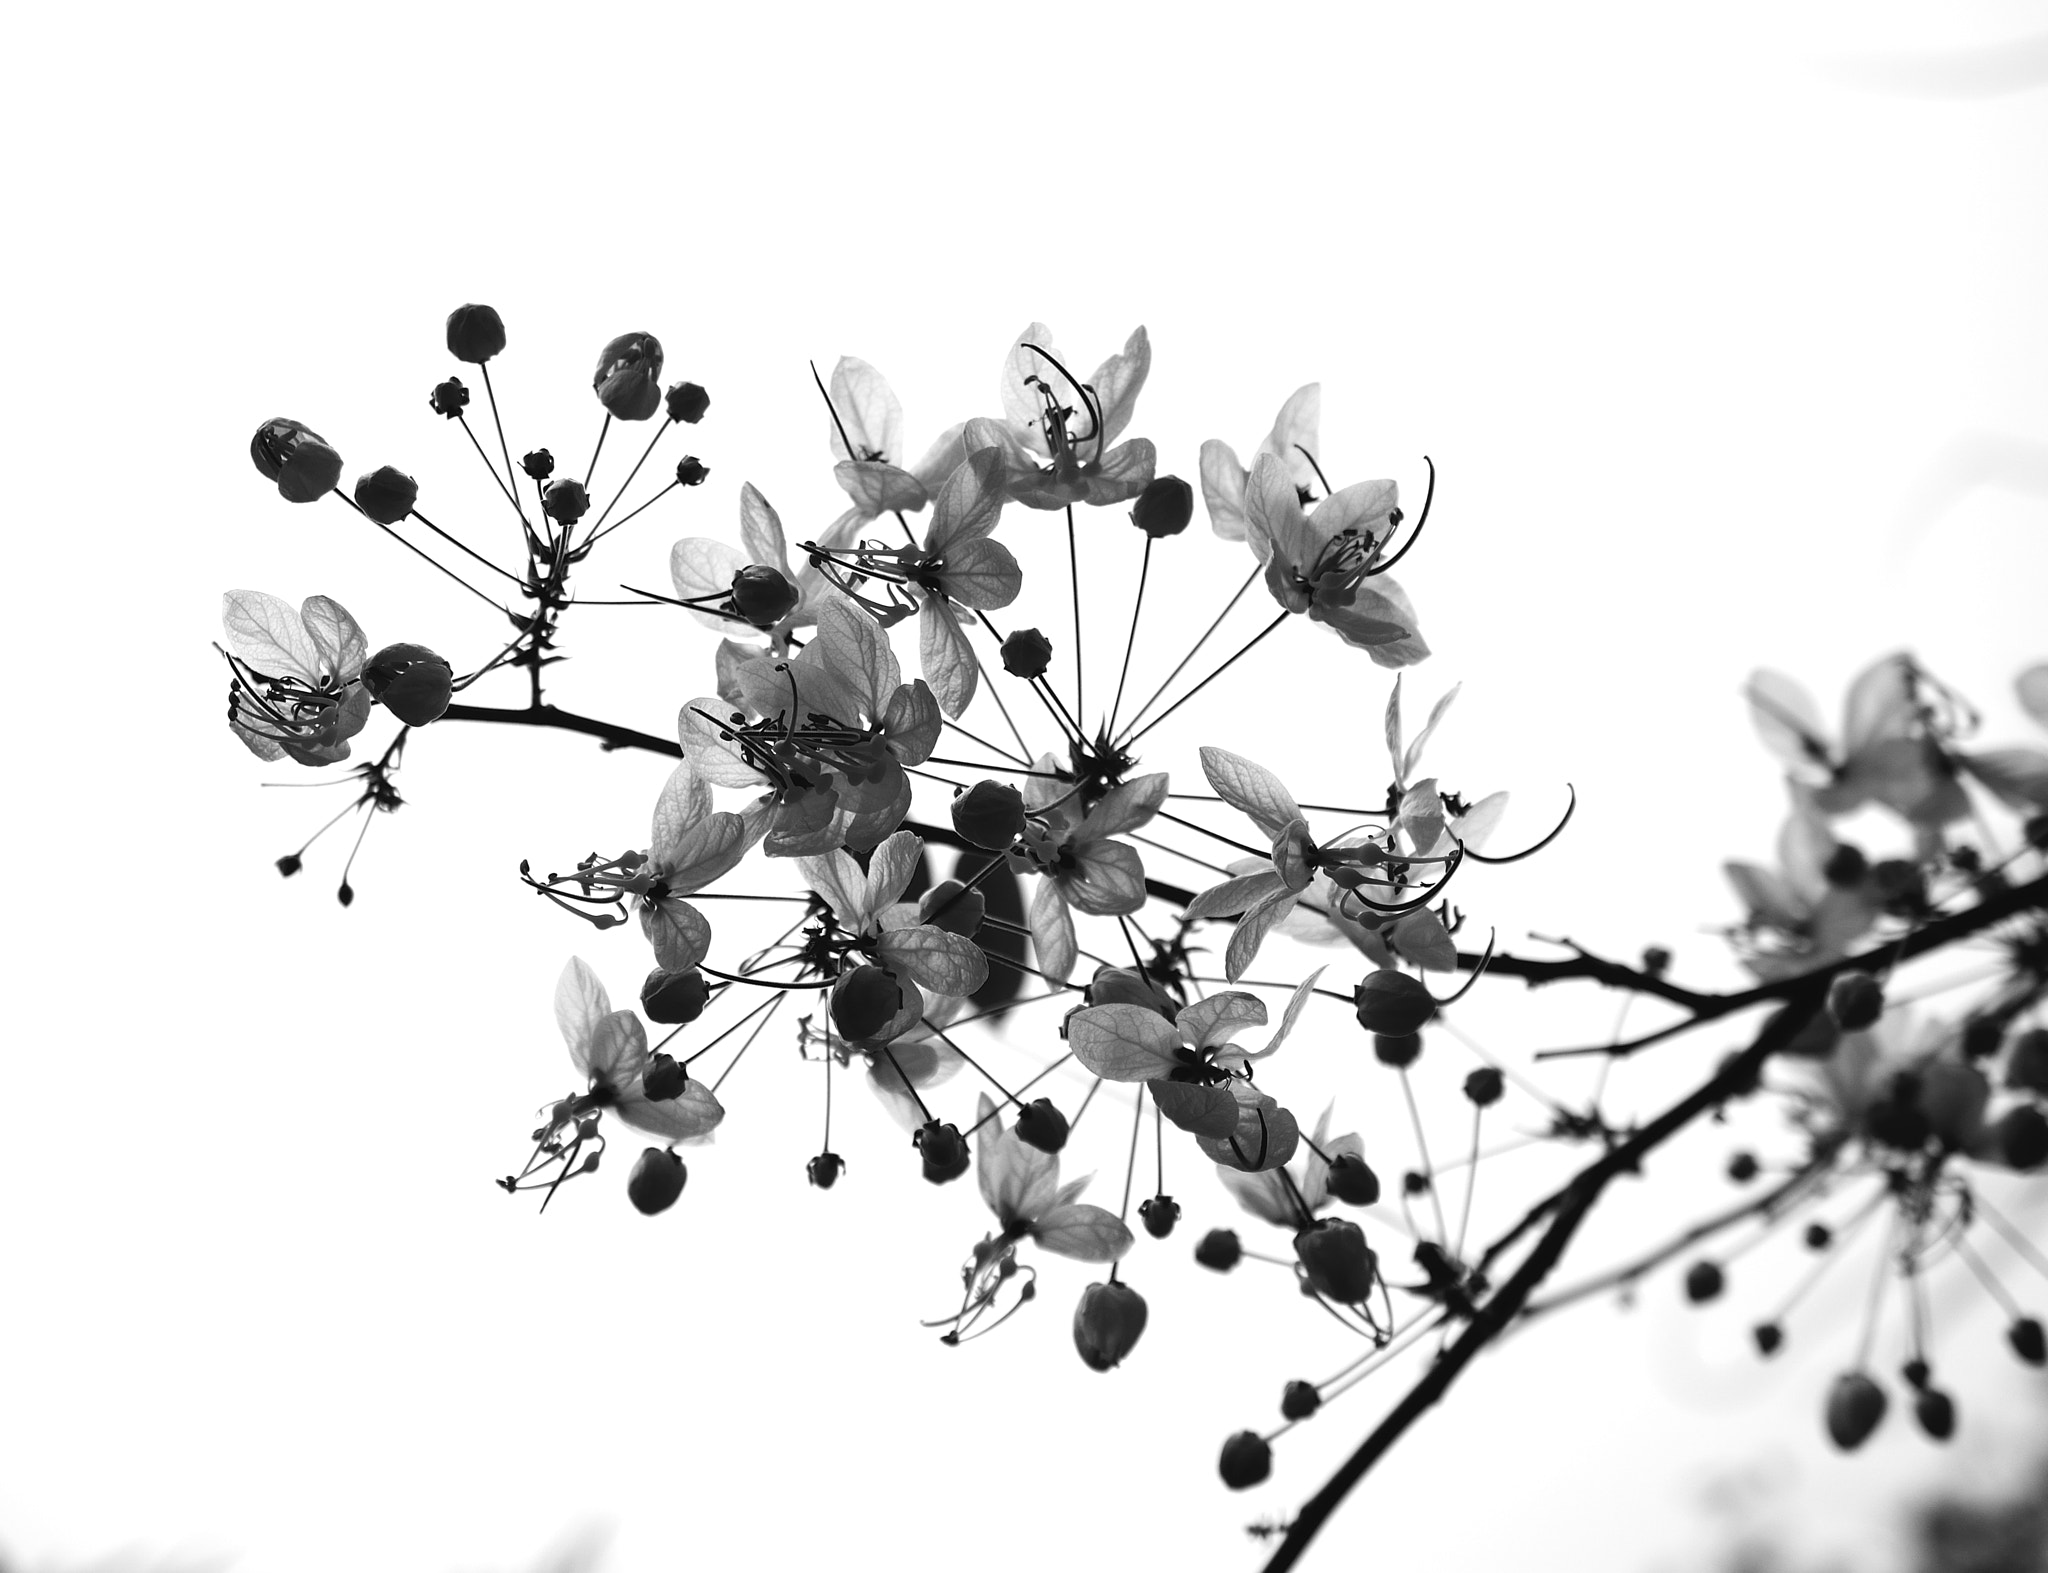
(1723,327)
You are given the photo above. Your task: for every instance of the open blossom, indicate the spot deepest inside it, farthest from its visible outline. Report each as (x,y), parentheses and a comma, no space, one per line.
(1055,436)
(1813,907)
(706,572)
(868,415)
(297,690)
(610,1048)
(1292,441)
(1084,869)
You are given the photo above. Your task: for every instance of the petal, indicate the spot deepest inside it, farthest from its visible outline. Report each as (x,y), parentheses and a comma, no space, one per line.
(269,633)
(1107,878)
(982,575)
(912,722)
(707,850)
(946,658)
(1126,807)
(1250,932)
(936,960)
(1202,1111)
(1052,931)
(1250,789)
(691,1115)
(616,1050)
(868,409)
(1223,481)
(877,488)
(580,1004)
(1219,1018)
(679,933)
(699,567)
(1124,1042)
(761,530)
(1233,896)
(1296,428)
(1083,1233)
(685,799)
(1117,382)
(336,635)
(839,879)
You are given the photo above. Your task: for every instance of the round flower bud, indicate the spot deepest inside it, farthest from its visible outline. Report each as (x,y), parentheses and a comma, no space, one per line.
(1855,1406)
(628,379)
(410,681)
(1846,867)
(864,1001)
(1299,1400)
(1392,1002)
(825,1169)
(989,815)
(538,465)
(1107,1322)
(1247,1459)
(664,1078)
(943,1149)
(1896,1119)
(1339,1264)
(449,398)
(656,1181)
(2019,1138)
(1164,506)
(2026,1066)
(564,500)
(1027,653)
(1900,887)
(1160,1213)
(1483,1086)
(1219,1250)
(297,458)
(1041,1125)
(1770,1338)
(1742,1167)
(2027,1341)
(1936,1412)
(951,906)
(687,402)
(1656,960)
(1819,1237)
(1916,1373)
(1982,1038)
(386,495)
(1953,1097)
(762,595)
(475,334)
(1352,1181)
(1855,1000)
(2035,829)
(670,999)
(1703,1282)
(1397,1049)
(690,471)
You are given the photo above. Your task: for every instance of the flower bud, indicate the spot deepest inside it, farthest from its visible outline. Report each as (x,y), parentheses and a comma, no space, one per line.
(690,471)
(1339,1264)
(1916,1373)
(564,500)
(2035,829)
(1164,506)
(1846,867)
(386,495)
(1392,1003)
(656,1181)
(1159,1214)
(2019,1138)
(538,465)
(1027,653)
(989,815)
(664,1078)
(1770,1338)
(762,595)
(1953,1097)
(1742,1167)
(1936,1412)
(1855,1406)
(2026,1066)
(1900,887)
(1107,1322)
(670,999)
(297,458)
(864,1001)
(1352,1181)
(1656,960)
(1983,1037)
(628,380)
(2027,1341)
(1247,1459)
(825,1169)
(475,334)
(1703,1282)
(1219,1250)
(687,402)
(449,398)
(1483,1086)
(951,906)
(1041,1125)
(1819,1237)
(1397,1049)
(410,681)
(1299,1400)
(1855,1000)
(943,1149)
(1414,1183)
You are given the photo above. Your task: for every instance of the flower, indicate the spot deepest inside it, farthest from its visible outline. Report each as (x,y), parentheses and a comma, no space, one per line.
(1292,441)
(297,687)
(706,573)
(867,415)
(610,1048)
(1294,1197)
(1084,870)
(1812,908)
(1046,464)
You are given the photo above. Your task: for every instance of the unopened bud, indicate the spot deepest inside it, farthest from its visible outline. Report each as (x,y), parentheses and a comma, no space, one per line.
(1164,506)
(687,402)
(475,334)
(1219,1250)
(2026,1066)
(628,379)
(386,495)
(564,500)
(691,471)
(1846,867)
(943,1150)
(2027,1341)
(865,1001)
(1352,1181)
(656,1181)
(449,399)
(1742,1167)
(1041,1125)
(1027,653)
(1855,1000)
(410,681)
(1393,1002)
(1339,1264)
(951,906)
(825,1169)
(664,1078)
(1936,1412)
(1770,1338)
(1299,1400)
(297,458)
(1483,1086)
(1107,1322)
(989,815)
(1704,1281)
(1159,1213)
(672,998)
(1855,1406)
(762,595)
(538,465)
(1397,1049)
(1247,1459)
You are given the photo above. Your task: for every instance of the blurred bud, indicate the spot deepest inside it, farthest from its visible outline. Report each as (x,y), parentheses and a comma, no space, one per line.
(1027,653)
(1855,1406)
(2018,1139)
(1742,1167)
(664,1078)
(1846,867)
(1339,1264)
(1900,887)
(1041,1125)
(943,1149)
(1855,1000)
(2036,831)
(410,681)
(2027,1341)
(687,402)
(989,815)
(762,595)
(1247,1459)
(1159,1213)
(1352,1182)
(1703,1282)
(825,1169)
(1299,1400)
(1219,1250)
(289,864)
(1107,1322)
(1656,961)
(475,334)
(2027,1065)
(1819,1237)
(297,458)
(538,465)
(1164,506)
(1393,1002)
(656,1181)
(386,495)
(670,999)
(1916,1373)
(628,379)
(1953,1096)
(1936,1412)
(1770,1338)
(691,471)
(449,399)
(1982,1038)
(864,1001)
(1397,1049)
(564,500)
(1483,1086)
(1414,1183)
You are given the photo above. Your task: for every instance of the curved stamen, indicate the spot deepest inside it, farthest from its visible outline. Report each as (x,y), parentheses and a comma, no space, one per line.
(1415,534)
(1516,857)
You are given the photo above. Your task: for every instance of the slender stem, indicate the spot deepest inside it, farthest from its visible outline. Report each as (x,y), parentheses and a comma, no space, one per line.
(507,490)
(423,557)
(1137,606)
(1074,578)
(646,453)
(460,547)
(1195,649)
(1244,651)
(504,447)
(594,452)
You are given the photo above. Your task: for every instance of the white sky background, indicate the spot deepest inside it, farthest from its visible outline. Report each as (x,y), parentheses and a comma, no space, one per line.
(1725,332)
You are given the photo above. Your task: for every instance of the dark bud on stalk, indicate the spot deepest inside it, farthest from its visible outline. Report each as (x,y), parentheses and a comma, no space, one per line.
(2027,1341)
(1982,1038)
(1160,1213)
(2027,1065)
(628,379)
(1742,1167)
(670,999)
(1219,1250)
(825,1169)
(289,864)
(410,681)
(1855,1406)
(687,402)
(2036,832)
(1656,961)
(1352,1181)
(1164,506)
(1398,1049)
(1703,1282)
(762,595)
(989,815)
(297,458)
(656,1181)
(538,465)
(1770,1338)
(1107,1322)
(691,471)
(951,906)
(1900,887)
(1953,1097)
(564,500)
(1247,1459)
(475,334)
(1027,653)
(1392,1002)
(1916,1373)
(865,1001)
(1483,1086)
(1896,1119)
(1042,1126)
(943,1149)
(1936,1412)
(386,495)
(2020,1138)
(1414,1183)
(1299,1400)
(1846,867)
(449,399)
(1855,1000)
(1819,1237)
(1339,1264)
(664,1078)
